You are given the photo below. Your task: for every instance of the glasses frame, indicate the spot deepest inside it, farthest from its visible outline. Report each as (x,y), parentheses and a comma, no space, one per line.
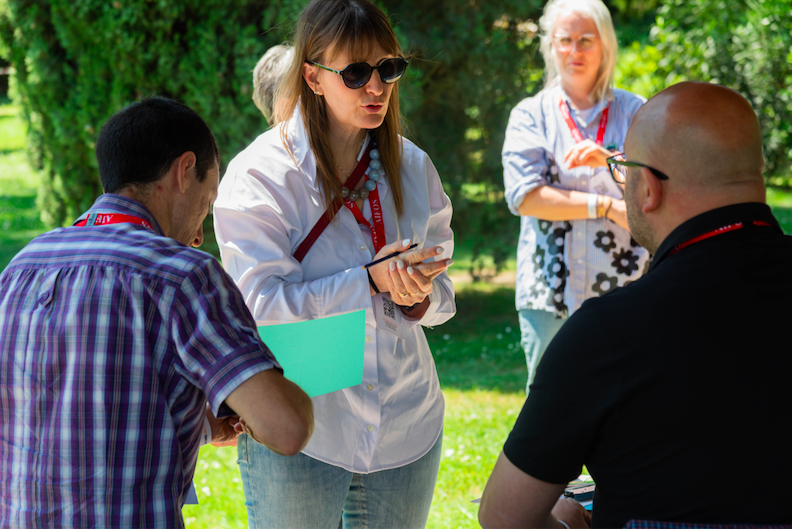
(612,161)
(371,71)
(575,42)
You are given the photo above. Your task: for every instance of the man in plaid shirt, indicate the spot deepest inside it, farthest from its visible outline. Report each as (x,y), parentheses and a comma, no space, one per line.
(119,342)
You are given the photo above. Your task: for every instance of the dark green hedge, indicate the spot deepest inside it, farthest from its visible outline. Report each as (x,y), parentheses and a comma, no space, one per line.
(78,62)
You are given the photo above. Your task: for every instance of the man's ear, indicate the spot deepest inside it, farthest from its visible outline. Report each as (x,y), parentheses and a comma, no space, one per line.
(652,195)
(310,74)
(184,169)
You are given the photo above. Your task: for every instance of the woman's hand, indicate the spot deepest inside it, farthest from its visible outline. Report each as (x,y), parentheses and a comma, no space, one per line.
(587,154)
(406,277)
(618,213)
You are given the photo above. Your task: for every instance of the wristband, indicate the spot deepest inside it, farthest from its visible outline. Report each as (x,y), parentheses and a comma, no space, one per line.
(562,522)
(609,206)
(411,307)
(206,438)
(592,206)
(371,282)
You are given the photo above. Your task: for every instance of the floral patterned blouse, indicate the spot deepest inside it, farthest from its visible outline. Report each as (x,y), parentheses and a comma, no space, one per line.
(560,264)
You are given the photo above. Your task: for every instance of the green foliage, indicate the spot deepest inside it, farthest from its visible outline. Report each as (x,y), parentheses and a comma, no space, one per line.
(745,45)
(78,62)
(636,70)
(478,60)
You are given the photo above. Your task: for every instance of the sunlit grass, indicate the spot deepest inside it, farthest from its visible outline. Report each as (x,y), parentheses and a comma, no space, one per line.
(476,425)
(19,218)
(482,373)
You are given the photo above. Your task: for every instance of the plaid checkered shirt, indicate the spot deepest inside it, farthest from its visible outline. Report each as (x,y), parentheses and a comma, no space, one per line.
(112,339)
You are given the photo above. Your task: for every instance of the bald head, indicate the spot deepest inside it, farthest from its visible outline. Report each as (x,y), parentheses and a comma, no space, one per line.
(699,133)
(706,138)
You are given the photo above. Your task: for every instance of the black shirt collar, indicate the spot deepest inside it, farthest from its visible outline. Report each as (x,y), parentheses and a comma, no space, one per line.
(712,220)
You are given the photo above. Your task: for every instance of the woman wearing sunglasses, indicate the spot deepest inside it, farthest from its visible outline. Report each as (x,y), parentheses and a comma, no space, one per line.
(574,240)
(336,152)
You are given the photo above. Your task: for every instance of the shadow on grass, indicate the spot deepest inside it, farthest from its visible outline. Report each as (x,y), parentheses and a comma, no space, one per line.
(479,348)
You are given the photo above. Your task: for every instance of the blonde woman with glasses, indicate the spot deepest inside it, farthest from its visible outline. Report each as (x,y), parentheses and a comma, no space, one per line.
(574,241)
(336,153)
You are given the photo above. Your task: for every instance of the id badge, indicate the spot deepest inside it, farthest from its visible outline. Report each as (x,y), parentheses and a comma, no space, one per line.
(388,316)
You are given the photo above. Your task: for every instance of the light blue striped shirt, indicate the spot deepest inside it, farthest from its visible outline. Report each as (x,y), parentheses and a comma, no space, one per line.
(561,264)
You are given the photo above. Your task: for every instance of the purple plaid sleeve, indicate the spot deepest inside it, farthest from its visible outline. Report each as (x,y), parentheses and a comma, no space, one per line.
(215,335)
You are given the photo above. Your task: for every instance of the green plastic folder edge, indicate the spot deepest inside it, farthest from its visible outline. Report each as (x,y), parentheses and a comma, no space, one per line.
(320,356)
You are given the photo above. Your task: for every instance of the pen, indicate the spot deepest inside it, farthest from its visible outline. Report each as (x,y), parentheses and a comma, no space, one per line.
(394,254)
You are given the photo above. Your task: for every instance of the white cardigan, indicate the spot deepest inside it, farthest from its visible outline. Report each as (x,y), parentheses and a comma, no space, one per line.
(268,201)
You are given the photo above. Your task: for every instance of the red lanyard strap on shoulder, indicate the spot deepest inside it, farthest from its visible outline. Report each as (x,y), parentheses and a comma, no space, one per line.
(573,128)
(101,219)
(328,215)
(715,233)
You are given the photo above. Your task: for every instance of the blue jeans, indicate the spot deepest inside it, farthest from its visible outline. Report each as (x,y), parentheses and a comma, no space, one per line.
(538,327)
(301,492)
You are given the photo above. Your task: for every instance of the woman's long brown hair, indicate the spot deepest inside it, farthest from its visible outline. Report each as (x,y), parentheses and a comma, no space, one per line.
(330,26)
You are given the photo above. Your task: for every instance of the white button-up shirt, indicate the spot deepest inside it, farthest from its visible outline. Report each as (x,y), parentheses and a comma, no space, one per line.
(563,263)
(269,200)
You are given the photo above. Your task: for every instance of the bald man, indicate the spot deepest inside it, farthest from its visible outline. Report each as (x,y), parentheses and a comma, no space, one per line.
(674,390)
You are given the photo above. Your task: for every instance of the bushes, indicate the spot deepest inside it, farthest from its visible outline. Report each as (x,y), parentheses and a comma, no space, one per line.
(80,61)
(746,46)
(479,59)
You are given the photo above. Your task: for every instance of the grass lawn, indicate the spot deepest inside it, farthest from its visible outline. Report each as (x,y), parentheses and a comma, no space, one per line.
(480,363)
(482,372)
(19,218)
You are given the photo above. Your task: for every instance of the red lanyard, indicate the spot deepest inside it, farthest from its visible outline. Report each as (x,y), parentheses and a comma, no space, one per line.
(573,128)
(100,219)
(714,233)
(378,229)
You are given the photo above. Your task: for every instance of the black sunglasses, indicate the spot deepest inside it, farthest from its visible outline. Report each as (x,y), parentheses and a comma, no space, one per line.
(357,74)
(616,164)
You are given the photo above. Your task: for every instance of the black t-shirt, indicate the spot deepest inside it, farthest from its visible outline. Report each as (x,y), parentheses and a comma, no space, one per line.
(674,391)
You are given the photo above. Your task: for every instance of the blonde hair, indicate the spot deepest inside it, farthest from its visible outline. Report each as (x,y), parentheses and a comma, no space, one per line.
(328,27)
(596,11)
(267,74)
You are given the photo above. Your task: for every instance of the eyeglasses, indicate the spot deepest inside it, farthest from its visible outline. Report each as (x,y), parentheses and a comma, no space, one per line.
(618,164)
(584,43)
(357,74)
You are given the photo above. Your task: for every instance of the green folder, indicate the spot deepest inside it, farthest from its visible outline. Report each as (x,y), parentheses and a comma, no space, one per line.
(320,356)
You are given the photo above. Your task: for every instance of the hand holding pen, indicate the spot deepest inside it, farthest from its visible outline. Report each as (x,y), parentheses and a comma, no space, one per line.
(402,271)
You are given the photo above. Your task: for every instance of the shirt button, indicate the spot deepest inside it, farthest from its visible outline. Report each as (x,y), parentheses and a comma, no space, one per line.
(368,339)
(370,387)
(370,427)
(363,247)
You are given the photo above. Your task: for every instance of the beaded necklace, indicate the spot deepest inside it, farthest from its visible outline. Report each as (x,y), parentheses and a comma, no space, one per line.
(369,191)
(371,178)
